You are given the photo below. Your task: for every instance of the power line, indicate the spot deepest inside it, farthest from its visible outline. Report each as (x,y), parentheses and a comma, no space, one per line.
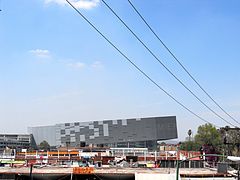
(178,61)
(165,67)
(135,66)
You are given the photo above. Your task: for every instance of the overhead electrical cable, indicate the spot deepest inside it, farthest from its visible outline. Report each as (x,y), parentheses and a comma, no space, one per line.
(165,67)
(178,61)
(135,66)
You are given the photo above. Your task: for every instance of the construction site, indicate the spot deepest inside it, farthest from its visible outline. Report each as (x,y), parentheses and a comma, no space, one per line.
(113,163)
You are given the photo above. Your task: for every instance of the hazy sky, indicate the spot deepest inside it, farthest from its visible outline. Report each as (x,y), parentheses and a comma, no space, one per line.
(55,68)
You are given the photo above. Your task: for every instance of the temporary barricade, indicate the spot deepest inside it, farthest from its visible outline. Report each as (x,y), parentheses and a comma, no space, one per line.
(83,170)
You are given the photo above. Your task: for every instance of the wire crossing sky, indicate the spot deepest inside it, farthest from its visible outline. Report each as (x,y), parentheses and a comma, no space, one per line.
(55,69)
(165,67)
(131,62)
(177,60)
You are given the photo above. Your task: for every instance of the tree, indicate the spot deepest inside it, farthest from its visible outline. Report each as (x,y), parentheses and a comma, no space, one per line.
(189,146)
(44,145)
(231,139)
(208,135)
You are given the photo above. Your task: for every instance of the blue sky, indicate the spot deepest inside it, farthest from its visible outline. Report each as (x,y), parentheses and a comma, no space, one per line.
(55,68)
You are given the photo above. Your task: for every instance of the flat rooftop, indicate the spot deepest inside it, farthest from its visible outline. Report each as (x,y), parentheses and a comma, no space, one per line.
(204,172)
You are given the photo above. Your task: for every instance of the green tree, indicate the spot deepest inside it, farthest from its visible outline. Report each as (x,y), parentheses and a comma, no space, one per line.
(44,145)
(189,146)
(231,139)
(207,134)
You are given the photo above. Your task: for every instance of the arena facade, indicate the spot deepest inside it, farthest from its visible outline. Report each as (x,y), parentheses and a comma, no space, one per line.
(134,132)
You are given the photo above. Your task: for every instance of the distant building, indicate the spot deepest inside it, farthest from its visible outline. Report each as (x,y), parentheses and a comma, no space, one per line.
(17,141)
(138,132)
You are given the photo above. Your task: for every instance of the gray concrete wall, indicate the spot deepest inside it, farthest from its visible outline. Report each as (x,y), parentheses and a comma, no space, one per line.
(47,133)
(108,131)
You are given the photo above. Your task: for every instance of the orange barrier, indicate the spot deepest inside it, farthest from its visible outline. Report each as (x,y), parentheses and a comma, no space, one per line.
(83,170)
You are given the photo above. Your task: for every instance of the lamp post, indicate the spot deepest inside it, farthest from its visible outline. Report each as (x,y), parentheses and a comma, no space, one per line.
(189,134)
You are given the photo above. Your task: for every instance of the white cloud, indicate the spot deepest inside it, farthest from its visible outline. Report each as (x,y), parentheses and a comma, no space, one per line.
(42,53)
(77,65)
(85,4)
(79,4)
(97,64)
(59,2)
(81,65)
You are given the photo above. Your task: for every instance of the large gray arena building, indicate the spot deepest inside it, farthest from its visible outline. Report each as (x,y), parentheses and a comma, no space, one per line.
(138,132)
